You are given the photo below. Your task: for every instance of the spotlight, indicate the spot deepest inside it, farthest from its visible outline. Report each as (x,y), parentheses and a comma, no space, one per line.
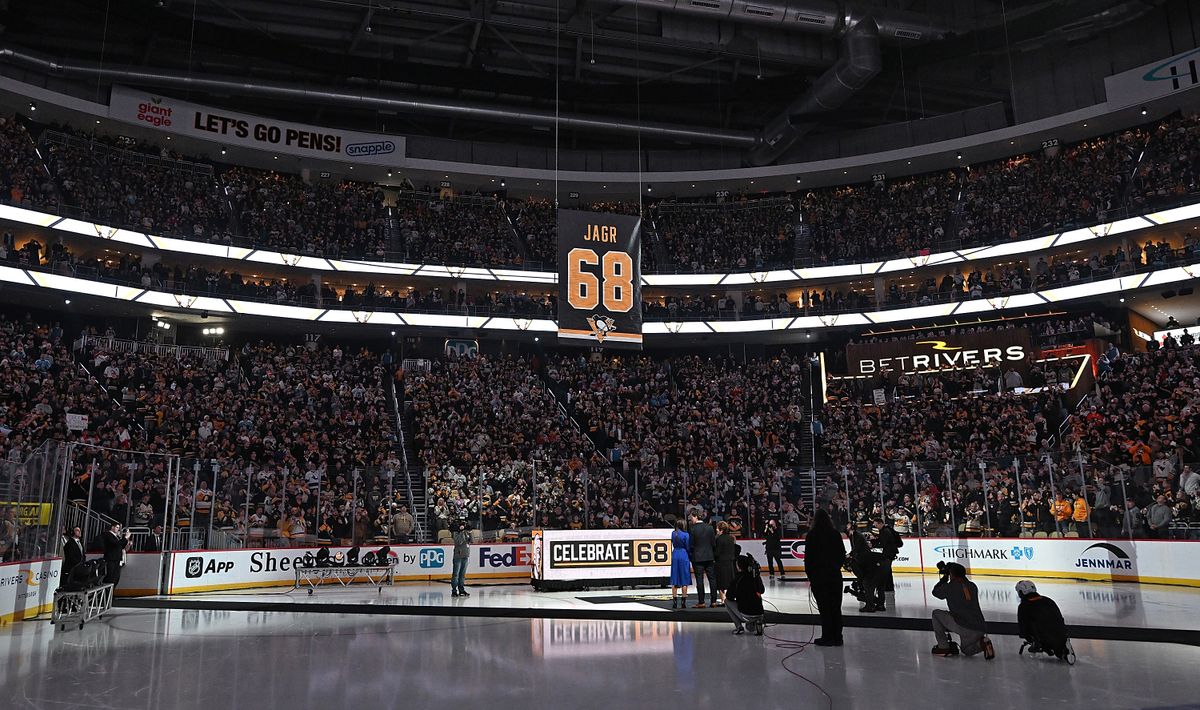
(220,331)
(206,331)
(352,556)
(33,106)
(67,301)
(536,339)
(501,183)
(649,188)
(958,157)
(97,122)
(393,333)
(1144,111)
(1122,300)
(222,151)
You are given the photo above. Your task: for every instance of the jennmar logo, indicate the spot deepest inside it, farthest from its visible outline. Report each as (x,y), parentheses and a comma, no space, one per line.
(372,148)
(1104,555)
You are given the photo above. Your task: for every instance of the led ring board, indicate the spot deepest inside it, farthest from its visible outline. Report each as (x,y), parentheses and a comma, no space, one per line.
(600,558)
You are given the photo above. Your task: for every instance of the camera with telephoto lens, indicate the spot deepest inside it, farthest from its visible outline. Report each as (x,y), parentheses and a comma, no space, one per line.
(748,563)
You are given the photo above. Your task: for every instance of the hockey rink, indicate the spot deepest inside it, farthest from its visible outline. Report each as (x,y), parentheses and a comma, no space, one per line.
(187,658)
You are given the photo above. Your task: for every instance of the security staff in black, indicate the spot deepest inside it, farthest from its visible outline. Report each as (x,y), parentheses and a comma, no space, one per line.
(774,539)
(824,555)
(702,551)
(889,544)
(115,542)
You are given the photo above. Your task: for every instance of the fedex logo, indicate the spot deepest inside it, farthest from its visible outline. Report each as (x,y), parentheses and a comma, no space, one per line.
(513,556)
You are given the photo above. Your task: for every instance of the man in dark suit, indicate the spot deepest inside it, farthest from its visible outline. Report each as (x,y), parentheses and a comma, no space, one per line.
(72,551)
(154,542)
(114,553)
(702,552)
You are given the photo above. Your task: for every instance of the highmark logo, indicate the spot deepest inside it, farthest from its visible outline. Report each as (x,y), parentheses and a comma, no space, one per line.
(1104,555)
(1180,71)
(1021,553)
(953,552)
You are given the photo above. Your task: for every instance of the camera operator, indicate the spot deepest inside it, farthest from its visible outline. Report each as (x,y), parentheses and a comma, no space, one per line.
(864,562)
(964,617)
(115,541)
(774,537)
(743,601)
(462,552)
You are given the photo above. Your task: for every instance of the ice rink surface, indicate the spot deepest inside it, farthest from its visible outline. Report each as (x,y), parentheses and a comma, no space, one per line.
(1092,603)
(217,660)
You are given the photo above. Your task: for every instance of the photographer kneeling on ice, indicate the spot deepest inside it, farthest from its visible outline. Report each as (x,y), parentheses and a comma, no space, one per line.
(743,601)
(964,617)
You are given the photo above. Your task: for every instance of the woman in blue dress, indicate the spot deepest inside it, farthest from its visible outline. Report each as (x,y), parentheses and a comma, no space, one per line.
(681,567)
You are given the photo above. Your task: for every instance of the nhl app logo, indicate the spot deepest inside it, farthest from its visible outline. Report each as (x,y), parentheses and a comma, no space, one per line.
(601,326)
(195,567)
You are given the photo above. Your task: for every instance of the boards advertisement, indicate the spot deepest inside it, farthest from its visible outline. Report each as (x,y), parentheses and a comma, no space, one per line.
(27,588)
(599,279)
(203,570)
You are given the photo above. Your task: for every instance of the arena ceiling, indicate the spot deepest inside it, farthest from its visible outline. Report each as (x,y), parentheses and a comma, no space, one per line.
(720,70)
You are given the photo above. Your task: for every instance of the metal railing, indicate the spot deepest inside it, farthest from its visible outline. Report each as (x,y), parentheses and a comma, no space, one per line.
(137,346)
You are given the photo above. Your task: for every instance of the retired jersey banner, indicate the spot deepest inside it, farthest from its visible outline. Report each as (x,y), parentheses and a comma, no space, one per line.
(600,279)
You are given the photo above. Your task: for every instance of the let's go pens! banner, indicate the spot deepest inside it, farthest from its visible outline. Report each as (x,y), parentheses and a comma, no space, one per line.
(182,118)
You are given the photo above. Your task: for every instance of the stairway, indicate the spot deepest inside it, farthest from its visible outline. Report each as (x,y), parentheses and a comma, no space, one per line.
(392,239)
(413,475)
(509,225)
(801,239)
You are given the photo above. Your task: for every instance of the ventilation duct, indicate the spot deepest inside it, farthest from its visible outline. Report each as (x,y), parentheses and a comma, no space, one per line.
(814,16)
(861,60)
(314,95)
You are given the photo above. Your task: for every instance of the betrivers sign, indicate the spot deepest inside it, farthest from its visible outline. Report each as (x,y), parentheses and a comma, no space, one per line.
(946,352)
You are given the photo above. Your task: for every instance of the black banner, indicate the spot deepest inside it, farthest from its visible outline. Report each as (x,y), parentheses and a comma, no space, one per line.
(599,279)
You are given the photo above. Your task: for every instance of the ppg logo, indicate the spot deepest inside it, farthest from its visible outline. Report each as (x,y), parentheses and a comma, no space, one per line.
(431,557)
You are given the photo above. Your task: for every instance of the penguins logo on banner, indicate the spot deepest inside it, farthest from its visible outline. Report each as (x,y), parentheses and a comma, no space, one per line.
(599,276)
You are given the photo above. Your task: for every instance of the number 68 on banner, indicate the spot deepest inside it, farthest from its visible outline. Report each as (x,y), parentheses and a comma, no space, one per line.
(613,289)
